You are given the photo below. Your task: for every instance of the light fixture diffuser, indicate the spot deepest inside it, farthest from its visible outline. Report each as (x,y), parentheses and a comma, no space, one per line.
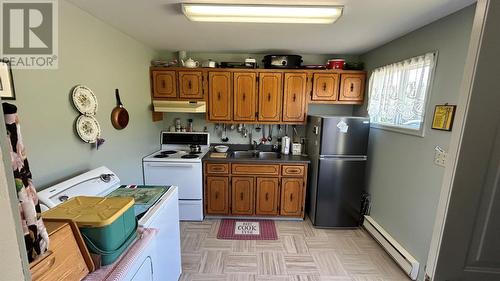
(261,13)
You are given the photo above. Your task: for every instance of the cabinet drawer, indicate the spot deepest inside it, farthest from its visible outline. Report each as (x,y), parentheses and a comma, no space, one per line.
(65,262)
(217,168)
(292,170)
(249,169)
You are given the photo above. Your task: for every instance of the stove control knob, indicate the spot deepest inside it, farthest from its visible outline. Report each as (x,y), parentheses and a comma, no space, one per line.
(63,198)
(106,177)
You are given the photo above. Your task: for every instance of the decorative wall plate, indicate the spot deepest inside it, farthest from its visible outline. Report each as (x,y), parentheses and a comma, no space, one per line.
(88,128)
(84,100)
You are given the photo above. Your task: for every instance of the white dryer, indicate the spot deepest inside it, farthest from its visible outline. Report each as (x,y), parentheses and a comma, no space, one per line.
(161,261)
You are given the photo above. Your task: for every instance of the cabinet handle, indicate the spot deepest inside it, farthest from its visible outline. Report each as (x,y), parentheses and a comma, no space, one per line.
(244,96)
(291,196)
(241,196)
(267,196)
(163,85)
(292,171)
(352,87)
(218,95)
(216,195)
(189,85)
(324,86)
(294,97)
(268,96)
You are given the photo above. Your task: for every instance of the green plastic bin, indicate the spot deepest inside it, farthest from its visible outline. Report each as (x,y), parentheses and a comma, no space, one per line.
(108,225)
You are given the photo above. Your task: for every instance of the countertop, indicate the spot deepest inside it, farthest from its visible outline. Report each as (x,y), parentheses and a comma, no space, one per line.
(232,147)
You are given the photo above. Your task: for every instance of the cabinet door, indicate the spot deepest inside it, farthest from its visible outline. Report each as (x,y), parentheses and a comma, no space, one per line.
(217,195)
(244,96)
(352,87)
(219,96)
(267,196)
(294,100)
(270,95)
(164,84)
(291,197)
(325,87)
(242,190)
(190,85)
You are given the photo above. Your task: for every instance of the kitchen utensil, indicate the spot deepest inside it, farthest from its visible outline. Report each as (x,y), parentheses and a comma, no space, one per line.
(119,115)
(88,128)
(257,129)
(84,100)
(335,64)
(190,63)
(269,136)
(224,134)
(221,148)
(195,148)
(296,148)
(209,63)
(354,66)
(282,61)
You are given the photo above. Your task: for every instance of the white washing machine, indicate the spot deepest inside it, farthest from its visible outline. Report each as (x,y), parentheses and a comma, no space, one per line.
(162,260)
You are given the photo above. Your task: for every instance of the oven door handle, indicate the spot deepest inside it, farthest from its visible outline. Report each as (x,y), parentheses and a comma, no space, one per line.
(180,165)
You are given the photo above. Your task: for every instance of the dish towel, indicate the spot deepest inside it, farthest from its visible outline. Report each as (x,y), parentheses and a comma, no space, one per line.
(35,234)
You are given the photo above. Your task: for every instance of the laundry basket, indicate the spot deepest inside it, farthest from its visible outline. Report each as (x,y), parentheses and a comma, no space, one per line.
(108,225)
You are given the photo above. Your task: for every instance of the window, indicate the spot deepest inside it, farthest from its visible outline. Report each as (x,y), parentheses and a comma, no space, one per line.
(398,94)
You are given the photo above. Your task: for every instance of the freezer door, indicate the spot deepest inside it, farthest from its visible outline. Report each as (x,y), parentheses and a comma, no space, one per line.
(339,188)
(344,136)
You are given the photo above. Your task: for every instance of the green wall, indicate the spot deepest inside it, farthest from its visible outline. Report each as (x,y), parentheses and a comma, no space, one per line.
(96,55)
(402,178)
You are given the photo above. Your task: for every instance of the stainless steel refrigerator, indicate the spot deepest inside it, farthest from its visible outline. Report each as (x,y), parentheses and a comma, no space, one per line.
(337,146)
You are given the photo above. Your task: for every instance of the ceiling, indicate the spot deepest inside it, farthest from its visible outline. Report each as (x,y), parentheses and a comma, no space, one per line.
(364,25)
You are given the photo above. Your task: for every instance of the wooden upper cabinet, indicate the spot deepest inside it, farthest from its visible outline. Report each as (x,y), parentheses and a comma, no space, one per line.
(352,87)
(190,85)
(242,190)
(325,87)
(164,84)
(267,196)
(294,99)
(270,95)
(244,88)
(292,197)
(219,96)
(217,195)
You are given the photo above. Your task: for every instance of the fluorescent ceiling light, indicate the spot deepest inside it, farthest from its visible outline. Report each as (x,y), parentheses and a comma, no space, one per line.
(261,13)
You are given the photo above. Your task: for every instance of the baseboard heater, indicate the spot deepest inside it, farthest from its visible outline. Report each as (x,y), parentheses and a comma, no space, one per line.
(406,261)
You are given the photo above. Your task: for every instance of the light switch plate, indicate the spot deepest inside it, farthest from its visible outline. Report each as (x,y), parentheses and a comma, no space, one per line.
(440,156)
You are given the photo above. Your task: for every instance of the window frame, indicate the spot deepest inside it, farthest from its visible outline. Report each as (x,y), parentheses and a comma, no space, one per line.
(399,129)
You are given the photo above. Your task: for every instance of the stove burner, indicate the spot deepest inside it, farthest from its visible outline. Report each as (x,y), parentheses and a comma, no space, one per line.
(167,152)
(160,156)
(189,156)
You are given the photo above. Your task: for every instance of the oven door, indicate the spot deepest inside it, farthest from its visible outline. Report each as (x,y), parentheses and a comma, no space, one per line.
(186,176)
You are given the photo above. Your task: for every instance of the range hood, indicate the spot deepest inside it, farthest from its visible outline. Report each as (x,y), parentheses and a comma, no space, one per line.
(179,106)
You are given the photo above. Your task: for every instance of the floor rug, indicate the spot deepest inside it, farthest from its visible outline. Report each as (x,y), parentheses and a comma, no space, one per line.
(247,230)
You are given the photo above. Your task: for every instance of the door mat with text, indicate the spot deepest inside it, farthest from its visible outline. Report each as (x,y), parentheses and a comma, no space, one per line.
(247,230)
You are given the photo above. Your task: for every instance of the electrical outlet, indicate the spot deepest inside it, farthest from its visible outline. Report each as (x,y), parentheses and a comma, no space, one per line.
(440,156)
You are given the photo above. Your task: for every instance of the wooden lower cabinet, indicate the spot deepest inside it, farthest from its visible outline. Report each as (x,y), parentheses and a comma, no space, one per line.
(267,196)
(217,195)
(292,192)
(242,194)
(244,189)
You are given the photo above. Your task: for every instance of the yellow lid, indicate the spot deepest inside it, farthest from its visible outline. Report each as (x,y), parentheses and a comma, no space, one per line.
(91,211)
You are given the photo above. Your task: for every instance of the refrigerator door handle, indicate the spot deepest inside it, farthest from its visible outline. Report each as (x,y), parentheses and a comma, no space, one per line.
(344,157)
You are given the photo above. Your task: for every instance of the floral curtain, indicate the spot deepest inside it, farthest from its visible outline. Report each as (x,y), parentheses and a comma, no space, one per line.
(397,92)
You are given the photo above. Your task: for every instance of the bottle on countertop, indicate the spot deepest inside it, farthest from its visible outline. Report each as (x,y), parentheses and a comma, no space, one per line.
(190,125)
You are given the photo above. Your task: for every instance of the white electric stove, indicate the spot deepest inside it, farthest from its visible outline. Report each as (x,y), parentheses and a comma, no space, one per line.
(175,164)
(159,262)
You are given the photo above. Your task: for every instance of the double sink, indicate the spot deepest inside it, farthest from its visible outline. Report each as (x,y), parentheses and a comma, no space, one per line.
(255,154)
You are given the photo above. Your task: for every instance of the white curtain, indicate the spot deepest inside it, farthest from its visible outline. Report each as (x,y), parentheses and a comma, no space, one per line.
(397,92)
